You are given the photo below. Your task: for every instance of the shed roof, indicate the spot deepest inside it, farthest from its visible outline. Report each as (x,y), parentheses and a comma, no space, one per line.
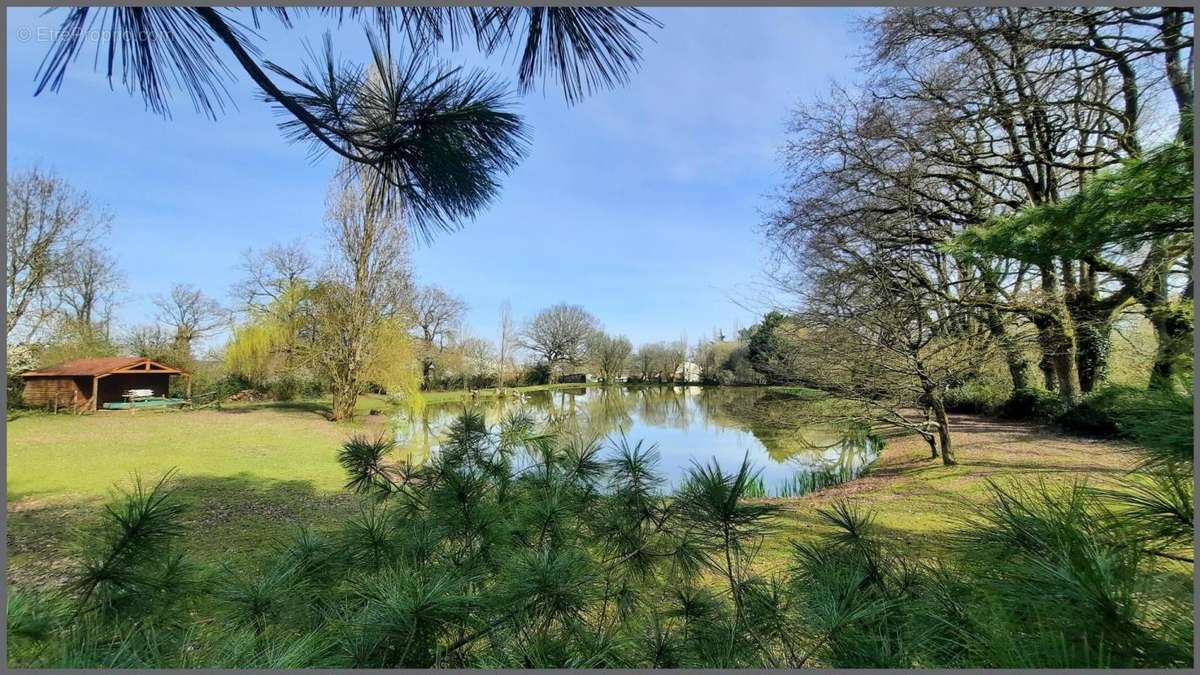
(104,366)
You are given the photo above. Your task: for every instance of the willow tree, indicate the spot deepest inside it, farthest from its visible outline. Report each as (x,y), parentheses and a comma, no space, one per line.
(276,336)
(254,349)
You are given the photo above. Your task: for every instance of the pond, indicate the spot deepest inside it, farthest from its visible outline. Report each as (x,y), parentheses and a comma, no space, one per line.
(688,424)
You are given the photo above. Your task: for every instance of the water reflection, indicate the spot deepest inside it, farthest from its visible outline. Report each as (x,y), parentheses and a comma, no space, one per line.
(688,424)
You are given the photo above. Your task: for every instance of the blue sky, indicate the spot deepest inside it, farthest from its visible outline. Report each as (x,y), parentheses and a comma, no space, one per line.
(642,203)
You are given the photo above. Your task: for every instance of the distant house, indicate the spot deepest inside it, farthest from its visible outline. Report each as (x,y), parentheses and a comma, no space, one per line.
(578,378)
(688,372)
(88,384)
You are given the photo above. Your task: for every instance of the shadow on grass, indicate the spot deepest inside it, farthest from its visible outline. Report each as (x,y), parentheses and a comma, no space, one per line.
(236,519)
(1018,467)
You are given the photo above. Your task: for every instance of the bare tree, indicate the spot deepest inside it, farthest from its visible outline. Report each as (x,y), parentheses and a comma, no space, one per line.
(435,313)
(87,285)
(674,356)
(361,298)
(270,274)
(190,314)
(876,336)
(610,353)
(645,360)
(1019,106)
(152,342)
(507,344)
(657,361)
(47,220)
(559,335)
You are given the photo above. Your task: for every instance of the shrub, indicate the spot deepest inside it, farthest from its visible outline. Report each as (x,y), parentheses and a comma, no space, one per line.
(507,548)
(1038,577)
(1033,404)
(1163,424)
(536,375)
(1159,420)
(21,357)
(1101,413)
(292,384)
(981,398)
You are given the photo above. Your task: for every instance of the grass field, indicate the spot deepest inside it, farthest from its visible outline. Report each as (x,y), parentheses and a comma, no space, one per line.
(251,472)
(247,472)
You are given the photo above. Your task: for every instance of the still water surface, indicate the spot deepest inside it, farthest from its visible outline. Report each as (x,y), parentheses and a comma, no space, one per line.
(688,424)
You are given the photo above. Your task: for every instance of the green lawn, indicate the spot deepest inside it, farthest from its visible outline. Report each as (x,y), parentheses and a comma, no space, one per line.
(82,455)
(50,456)
(246,473)
(252,472)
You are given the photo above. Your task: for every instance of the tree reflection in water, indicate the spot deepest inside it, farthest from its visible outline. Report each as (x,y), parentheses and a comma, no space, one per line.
(688,423)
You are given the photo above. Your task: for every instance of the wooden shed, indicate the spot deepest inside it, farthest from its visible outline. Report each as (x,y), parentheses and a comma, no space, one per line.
(87,384)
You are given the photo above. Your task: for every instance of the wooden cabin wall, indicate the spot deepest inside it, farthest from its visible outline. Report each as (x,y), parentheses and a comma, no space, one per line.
(57,392)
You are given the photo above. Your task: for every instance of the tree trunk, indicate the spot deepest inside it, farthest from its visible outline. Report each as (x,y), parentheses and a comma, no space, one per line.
(426,371)
(1045,340)
(1018,368)
(1092,343)
(1046,365)
(1093,319)
(926,406)
(1057,339)
(1064,371)
(1014,356)
(1173,333)
(1172,322)
(345,396)
(1046,361)
(943,423)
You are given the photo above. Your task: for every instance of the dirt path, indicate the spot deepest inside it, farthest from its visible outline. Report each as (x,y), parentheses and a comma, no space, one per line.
(986,447)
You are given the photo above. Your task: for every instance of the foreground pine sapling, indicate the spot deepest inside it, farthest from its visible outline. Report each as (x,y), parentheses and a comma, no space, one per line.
(713,504)
(126,557)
